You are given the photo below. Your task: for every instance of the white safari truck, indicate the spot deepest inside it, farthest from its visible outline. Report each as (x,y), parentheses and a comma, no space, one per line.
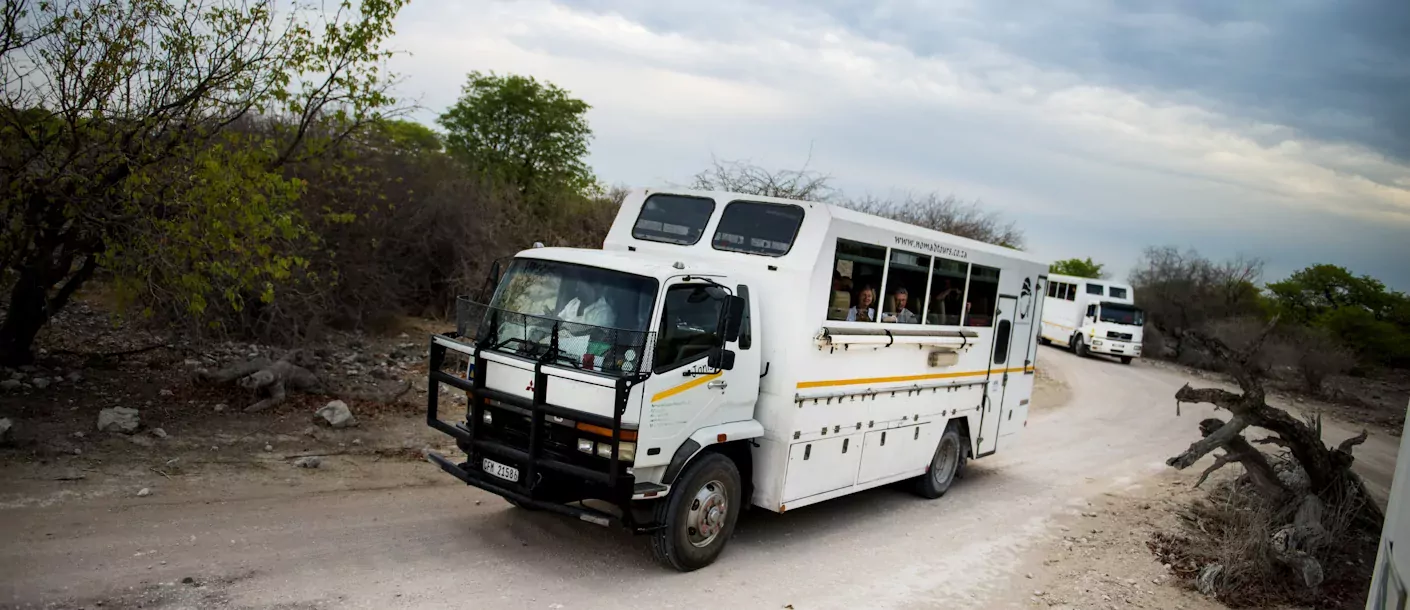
(728,350)
(1092,317)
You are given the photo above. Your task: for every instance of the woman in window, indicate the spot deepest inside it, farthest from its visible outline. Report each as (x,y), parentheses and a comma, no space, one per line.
(863,311)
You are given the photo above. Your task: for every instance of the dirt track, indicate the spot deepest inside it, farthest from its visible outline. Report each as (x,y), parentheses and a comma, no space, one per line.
(441,545)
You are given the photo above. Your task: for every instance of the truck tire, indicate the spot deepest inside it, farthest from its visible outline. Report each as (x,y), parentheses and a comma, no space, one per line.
(698,517)
(944,467)
(1080,347)
(1125,360)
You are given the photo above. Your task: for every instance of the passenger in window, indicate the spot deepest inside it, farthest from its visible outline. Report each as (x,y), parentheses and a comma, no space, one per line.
(944,302)
(901,315)
(863,311)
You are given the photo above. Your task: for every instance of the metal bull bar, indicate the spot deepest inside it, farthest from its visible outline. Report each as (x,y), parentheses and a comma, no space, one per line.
(534,461)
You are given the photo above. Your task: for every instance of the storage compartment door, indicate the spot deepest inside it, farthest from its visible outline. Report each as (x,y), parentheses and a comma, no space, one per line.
(891,452)
(821,466)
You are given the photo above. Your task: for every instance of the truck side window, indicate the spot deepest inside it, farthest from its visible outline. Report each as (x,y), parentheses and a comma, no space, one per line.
(673,219)
(753,227)
(1091,311)
(690,322)
(745,340)
(1001,342)
(1094,289)
(946,292)
(1118,293)
(856,268)
(1071,292)
(983,296)
(1053,288)
(907,276)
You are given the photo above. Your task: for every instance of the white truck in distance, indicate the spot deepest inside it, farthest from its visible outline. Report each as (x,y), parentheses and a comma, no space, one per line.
(727,350)
(1092,317)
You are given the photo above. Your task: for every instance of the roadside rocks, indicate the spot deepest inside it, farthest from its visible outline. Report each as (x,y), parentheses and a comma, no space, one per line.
(6,426)
(119,419)
(336,414)
(10,385)
(311,461)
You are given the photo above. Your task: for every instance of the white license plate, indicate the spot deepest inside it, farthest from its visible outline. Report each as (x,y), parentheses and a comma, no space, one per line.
(508,473)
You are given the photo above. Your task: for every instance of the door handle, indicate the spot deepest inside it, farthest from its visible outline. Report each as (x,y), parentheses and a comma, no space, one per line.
(718,384)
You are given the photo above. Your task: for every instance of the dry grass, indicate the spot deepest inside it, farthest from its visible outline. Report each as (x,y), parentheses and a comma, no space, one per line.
(1233,527)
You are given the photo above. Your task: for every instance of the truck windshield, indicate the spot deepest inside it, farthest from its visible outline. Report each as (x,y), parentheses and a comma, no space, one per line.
(601,315)
(1122,314)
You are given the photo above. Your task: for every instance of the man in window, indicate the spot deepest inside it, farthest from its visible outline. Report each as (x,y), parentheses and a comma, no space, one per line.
(901,315)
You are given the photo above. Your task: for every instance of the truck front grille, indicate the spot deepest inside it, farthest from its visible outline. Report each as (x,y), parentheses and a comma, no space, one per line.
(1111,334)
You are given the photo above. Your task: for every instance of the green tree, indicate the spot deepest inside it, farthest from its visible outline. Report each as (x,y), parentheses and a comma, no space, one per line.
(1077,267)
(1358,309)
(151,138)
(530,134)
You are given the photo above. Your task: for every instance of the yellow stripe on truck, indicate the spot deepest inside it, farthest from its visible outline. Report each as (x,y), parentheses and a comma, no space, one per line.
(839,382)
(664,394)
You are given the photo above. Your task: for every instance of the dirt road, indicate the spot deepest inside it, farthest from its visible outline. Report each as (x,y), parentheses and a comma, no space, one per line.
(442,545)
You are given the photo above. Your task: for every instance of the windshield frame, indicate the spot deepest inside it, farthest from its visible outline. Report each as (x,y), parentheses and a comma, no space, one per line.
(497,316)
(1139,315)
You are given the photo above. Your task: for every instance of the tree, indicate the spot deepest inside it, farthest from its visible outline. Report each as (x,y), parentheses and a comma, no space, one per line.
(1183,291)
(744,177)
(1078,268)
(529,134)
(1359,310)
(946,214)
(149,137)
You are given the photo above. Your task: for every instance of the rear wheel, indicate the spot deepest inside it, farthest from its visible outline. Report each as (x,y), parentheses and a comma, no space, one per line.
(1044,340)
(699,515)
(949,457)
(1125,360)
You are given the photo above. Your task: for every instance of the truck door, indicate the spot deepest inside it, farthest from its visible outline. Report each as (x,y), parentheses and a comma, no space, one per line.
(683,393)
(1001,353)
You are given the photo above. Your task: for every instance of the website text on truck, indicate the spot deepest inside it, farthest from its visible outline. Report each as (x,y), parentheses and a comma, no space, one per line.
(726,350)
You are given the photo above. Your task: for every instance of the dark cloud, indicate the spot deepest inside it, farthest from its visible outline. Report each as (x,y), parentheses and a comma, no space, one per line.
(1334,70)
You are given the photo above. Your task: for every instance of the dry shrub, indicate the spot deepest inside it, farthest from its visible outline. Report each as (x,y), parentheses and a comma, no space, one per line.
(1233,527)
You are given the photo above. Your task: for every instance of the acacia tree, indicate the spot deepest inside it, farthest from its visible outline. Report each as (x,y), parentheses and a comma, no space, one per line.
(1077,267)
(529,134)
(150,135)
(941,213)
(1184,291)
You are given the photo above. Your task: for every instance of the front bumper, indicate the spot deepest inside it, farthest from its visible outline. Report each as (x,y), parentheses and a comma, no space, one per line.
(553,476)
(1114,347)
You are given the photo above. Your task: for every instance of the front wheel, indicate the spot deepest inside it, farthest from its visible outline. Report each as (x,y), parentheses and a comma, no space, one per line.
(1125,360)
(1080,347)
(699,515)
(949,456)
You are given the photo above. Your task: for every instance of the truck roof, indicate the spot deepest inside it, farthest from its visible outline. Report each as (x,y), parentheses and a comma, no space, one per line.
(647,264)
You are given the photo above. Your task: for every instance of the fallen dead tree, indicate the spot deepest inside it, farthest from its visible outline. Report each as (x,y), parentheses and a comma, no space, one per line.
(1294,507)
(272,380)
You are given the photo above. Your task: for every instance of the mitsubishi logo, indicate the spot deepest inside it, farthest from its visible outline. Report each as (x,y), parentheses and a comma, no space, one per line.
(531,386)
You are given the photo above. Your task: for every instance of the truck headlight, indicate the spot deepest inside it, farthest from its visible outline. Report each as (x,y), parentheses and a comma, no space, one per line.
(604,450)
(626,452)
(487,417)
(585,446)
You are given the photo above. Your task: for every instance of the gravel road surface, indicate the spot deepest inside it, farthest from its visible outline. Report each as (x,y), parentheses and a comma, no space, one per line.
(439,544)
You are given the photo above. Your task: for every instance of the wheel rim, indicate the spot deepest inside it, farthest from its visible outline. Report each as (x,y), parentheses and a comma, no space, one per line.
(708,511)
(946,459)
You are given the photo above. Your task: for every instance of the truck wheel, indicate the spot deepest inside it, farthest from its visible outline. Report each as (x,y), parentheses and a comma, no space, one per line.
(1080,347)
(1125,360)
(949,456)
(699,515)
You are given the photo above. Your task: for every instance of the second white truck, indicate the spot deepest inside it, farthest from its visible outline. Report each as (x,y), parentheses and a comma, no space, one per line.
(1092,317)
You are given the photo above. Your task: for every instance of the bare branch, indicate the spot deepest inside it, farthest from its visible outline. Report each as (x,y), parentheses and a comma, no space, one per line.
(1219,398)
(1346,445)
(1200,448)
(1219,462)
(1271,440)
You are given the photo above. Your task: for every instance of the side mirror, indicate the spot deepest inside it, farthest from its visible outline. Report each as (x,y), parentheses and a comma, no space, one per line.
(734,318)
(720,359)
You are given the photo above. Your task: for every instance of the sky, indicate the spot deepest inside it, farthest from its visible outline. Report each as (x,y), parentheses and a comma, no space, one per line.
(1273,129)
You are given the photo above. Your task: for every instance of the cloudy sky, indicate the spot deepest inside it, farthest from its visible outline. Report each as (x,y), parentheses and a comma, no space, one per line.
(1271,129)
